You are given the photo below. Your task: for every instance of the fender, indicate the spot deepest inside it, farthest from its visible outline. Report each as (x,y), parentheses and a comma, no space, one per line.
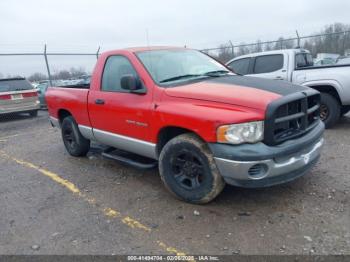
(344,98)
(188,114)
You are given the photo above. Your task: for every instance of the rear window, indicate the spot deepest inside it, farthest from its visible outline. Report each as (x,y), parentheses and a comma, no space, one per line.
(268,63)
(303,60)
(15,85)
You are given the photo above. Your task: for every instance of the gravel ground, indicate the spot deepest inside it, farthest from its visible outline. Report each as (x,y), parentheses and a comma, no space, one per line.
(52,203)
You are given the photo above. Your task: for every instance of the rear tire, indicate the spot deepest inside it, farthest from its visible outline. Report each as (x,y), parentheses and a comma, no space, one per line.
(33,113)
(329,110)
(75,143)
(188,170)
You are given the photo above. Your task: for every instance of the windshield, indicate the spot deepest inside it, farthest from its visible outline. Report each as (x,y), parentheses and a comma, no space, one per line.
(15,85)
(178,65)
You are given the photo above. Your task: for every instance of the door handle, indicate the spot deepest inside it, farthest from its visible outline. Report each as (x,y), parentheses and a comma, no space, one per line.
(279,78)
(99,102)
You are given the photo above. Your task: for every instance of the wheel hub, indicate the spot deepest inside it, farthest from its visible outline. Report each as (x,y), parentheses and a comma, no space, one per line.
(188,170)
(324,112)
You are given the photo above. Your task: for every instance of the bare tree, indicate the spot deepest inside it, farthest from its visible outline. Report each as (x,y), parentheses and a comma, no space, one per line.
(37,77)
(258,46)
(77,72)
(332,41)
(242,50)
(225,53)
(63,74)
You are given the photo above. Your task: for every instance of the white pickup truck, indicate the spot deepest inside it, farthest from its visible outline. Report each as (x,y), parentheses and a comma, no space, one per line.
(296,66)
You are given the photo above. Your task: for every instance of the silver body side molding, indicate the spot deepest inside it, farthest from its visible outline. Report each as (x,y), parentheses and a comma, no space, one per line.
(86,132)
(126,143)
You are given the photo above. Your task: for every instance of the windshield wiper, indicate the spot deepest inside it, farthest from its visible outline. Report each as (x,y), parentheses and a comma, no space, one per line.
(216,73)
(179,77)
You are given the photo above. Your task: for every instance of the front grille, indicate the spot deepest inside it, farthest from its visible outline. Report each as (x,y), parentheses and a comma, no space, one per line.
(291,116)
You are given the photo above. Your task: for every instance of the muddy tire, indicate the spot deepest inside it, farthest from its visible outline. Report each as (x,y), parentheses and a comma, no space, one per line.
(329,110)
(73,140)
(188,170)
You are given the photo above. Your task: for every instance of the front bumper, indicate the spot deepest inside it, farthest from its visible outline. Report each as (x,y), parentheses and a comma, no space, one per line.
(258,165)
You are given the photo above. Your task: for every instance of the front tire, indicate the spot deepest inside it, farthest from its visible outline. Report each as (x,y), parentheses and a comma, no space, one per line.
(188,170)
(329,110)
(75,143)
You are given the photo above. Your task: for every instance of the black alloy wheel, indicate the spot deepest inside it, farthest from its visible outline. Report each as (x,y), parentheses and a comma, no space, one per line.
(188,169)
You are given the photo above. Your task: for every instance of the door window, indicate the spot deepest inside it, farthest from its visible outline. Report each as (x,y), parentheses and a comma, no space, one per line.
(240,66)
(116,67)
(268,64)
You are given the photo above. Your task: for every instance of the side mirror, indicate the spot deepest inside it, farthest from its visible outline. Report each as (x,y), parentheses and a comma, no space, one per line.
(132,84)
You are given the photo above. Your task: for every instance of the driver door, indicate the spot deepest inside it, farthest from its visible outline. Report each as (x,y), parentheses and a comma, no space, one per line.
(116,113)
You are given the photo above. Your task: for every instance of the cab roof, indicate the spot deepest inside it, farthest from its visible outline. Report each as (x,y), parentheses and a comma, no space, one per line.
(149,48)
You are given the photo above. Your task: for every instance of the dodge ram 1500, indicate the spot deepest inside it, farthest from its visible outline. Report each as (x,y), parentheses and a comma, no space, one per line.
(202,125)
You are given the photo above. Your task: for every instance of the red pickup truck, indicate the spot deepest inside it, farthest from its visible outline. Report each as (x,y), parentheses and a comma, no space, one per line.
(203,125)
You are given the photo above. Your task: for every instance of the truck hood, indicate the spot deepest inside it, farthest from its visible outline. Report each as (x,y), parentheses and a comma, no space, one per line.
(237,90)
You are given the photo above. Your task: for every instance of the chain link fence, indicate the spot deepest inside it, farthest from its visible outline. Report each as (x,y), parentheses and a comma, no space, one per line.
(335,43)
(46,56)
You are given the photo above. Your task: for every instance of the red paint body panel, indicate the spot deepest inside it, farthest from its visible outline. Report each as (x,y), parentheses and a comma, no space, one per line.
(201,117)
(200,107)
(119,108)
(71,100)
(225,93)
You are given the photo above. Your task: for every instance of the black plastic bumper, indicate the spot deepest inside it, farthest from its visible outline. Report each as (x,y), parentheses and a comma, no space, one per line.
(260,151)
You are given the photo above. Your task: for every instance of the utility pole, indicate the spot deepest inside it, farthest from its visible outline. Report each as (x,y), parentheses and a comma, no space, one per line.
(344,42)
(232,49)
(47,66)
(296,31)
(98,52)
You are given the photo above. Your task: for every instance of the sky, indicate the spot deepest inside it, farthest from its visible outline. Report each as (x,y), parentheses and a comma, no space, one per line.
(83,26)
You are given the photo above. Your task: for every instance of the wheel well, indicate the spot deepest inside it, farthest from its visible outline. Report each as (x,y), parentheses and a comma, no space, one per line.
(62,114)
(168,133)
(329,90)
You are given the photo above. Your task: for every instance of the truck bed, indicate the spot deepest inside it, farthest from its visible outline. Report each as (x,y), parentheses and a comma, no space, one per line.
(81,86)
(71,98)
(322,67)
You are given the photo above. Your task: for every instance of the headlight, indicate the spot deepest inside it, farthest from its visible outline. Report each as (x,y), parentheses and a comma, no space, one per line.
(250,132)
